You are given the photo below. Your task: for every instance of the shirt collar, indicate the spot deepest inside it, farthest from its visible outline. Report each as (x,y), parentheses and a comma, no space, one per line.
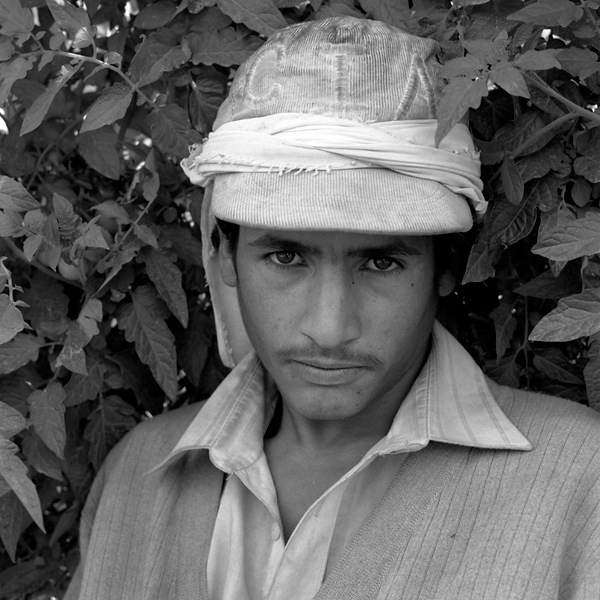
(449,402)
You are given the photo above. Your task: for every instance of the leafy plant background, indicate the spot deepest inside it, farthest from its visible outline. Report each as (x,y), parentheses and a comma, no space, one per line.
(105,319)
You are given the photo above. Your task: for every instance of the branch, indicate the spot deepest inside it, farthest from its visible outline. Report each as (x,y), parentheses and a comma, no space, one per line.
(541,132)
(541,85)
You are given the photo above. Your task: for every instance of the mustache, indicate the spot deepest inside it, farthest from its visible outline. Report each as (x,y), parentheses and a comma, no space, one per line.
(341,355)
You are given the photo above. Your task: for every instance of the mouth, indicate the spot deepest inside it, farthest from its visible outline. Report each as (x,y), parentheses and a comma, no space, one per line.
(328,373)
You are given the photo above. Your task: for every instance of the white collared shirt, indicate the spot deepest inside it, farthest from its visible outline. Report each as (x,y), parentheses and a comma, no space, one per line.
(449,402)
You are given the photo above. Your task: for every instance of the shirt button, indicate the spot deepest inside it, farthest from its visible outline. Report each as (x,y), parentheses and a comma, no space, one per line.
(275,532)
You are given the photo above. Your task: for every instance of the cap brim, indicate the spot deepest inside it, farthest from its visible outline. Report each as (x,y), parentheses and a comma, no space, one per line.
(362,200)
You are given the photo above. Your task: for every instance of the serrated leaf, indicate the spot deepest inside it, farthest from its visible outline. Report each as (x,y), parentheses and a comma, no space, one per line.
(552,157)
(99,150)
(172,131)
(544,193)
(74,21)
(553,363)
(509,79)
(14,471)
(581,192)
(591,374)
(72,355)
(160,53)
(48,304)
(389,11)
(11,421)
(511,222)
(458,96)
(13,71)
(12,515)
(146,235)
(505,325)
(166,276)
(188,247)
(537,60)
(92,237)
(40,457)
(513,135)
(81,388)
(547,286)
(575,317)
(37,111)
(113,210)
(15,21)
(15,197)
(89,317)
(143,322)
(490,51)
(588,167)
(11,223)
(549,13)
(11,319)
(138,378)
(579,62)
(18,352)
(155,15)
(511,180)
(7,49)
(470,66)
(570,239)
(107,425)
(226,47)
(47,414)
(108,108)
(262,16)
(480,264)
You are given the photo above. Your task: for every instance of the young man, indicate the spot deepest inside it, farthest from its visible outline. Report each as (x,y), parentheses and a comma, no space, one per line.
(355,450)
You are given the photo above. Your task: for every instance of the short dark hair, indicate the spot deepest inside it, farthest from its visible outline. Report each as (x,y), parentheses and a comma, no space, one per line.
(449,249)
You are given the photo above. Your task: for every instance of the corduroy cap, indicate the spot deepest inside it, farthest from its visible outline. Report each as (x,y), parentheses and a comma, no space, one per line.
(359,70)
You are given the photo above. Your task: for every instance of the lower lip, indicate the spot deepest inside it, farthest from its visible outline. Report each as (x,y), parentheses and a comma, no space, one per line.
(320,376)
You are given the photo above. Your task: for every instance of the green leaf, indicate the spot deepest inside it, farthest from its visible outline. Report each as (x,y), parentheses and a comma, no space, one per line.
(470,66)
(160,53)
(81,388)
(108,108)
(155,15)
(107,425)
(505,325)
(392,12)
(143,323)
(47,414)
(166,276)
(588,167)
(74,21)
(15,21)
(99,150)
(7,49)
(552,157)
(489,51)
(571,238)
(48,304)
(171,130)
(262,16)
(549,287)
(549,13)
(537,60)
(72,355)
(544,193)
(145,234)
(89,317)
(579,62)
(11,319)
(575,317)
(509,79)
(511,181)
(37,111)
(511,223)
(188,247)
(14,471)
(19,352)
(11,223)
(458,96)
(138,378)
(480,264)
(226,47)
(12,518)
(13,71)
(112,210)
(11,421)
(40,457)
(553,363)
(514,134)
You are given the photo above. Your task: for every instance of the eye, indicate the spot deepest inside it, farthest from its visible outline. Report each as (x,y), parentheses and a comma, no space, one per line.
(285,258)
(382,264)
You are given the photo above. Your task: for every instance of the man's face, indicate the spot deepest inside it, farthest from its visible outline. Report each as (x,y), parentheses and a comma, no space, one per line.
(340,320)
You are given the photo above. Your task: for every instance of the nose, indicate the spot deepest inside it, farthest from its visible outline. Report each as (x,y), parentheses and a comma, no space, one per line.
(331,318)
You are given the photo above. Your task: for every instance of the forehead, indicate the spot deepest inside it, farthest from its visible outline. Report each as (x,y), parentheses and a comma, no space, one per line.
(335,242)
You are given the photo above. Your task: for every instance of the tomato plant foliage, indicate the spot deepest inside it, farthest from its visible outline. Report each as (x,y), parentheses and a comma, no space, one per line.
(105,319)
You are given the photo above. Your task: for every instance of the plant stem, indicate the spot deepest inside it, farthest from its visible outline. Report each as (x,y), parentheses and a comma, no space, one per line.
(541,85)
(538,134)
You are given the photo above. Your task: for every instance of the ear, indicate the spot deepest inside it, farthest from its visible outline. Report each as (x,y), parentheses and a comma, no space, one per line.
(446,283)
(227,263)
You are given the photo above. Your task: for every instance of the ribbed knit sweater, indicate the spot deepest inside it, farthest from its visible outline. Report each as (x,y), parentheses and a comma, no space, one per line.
(456,523)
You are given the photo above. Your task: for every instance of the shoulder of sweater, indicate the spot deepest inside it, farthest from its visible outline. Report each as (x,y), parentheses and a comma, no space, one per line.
(539,415)
(152,439)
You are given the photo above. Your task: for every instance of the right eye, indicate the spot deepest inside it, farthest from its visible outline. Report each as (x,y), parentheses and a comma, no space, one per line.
(285,258)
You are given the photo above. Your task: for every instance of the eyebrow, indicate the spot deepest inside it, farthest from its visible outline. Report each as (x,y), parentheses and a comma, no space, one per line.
(395,247)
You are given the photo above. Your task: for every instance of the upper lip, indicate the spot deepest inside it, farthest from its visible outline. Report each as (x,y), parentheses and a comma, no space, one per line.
(321,364)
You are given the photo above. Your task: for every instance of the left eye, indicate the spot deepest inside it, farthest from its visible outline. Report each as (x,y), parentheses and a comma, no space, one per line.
(284,257)
(382,264)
